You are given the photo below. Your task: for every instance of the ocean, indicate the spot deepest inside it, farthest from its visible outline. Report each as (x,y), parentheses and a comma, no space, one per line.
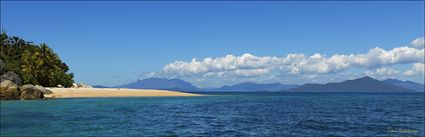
(220,114)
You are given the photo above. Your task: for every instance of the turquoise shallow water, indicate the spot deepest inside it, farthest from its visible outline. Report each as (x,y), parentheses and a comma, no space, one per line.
(222,114)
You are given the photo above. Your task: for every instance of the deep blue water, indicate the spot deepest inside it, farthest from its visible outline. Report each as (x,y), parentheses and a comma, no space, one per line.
(221,114)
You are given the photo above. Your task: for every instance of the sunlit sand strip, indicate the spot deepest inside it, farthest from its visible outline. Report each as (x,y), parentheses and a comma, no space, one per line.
(111,92)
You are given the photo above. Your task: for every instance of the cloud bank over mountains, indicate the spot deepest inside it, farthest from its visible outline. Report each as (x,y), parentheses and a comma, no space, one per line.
(376,62)
(416,70)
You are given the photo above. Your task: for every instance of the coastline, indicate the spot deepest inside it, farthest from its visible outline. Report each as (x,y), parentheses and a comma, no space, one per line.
(112,92)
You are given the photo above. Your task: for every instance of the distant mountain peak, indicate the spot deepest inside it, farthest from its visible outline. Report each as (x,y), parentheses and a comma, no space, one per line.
(253,87)
(363,84)
(393,79)
(161,83)
(366,78)
(406,84)
(152,78)
(397,80)
(248,83)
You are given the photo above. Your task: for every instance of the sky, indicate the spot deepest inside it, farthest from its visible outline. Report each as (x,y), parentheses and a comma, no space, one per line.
(215,43)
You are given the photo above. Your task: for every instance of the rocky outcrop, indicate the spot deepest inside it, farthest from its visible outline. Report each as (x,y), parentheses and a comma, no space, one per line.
(12,77)
(29,91)
(9,90)
(48,92)
(80,85)
(43,90)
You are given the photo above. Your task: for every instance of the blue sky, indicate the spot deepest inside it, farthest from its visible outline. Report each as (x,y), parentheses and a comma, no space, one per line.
(112,43)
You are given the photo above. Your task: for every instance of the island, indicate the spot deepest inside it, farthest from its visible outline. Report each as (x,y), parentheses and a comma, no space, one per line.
(29,71)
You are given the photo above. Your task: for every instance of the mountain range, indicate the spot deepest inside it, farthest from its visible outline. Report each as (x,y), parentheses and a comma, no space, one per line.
(161,83)
(252,87)
(406,84)
(364,84)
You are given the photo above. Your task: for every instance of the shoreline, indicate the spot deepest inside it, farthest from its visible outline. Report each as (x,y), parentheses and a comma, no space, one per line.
(112,92)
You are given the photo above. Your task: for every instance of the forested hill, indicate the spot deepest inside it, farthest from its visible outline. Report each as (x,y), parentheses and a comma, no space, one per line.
(35,64)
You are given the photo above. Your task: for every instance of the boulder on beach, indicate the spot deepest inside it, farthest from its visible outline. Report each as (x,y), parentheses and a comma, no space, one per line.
(60,86)
(29,91)
(47,92)
(40,88)
(80,85)
(12,76)
(74,85)
(43,90)
(9,90)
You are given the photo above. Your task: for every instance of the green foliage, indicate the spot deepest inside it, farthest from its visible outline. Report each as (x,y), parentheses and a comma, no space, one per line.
(35,64)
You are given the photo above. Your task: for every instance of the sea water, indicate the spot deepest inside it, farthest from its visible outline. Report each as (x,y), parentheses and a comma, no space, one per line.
(220,114)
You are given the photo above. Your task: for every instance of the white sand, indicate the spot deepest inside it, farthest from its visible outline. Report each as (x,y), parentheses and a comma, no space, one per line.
(111,92)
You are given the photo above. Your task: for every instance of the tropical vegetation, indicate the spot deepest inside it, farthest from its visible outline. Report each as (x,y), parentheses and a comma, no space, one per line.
(35,64)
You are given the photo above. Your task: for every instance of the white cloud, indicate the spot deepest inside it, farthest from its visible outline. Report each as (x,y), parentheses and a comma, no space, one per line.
(417,69)
(418,43)
(251,72)
(250,65)
(379,57)
(245,65)
(379,72)
(300,67)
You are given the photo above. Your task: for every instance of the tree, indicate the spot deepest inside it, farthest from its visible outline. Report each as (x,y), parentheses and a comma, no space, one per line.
(36,64)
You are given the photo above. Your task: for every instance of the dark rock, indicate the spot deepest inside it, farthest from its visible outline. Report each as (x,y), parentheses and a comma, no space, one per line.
(29,91)
(12,76)
(1,67)
(8,90)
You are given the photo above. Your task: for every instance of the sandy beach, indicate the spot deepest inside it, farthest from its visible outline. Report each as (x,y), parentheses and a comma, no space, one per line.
(111,92)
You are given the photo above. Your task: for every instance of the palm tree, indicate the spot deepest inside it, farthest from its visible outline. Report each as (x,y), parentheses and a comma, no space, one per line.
(32,64)
(36,64)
